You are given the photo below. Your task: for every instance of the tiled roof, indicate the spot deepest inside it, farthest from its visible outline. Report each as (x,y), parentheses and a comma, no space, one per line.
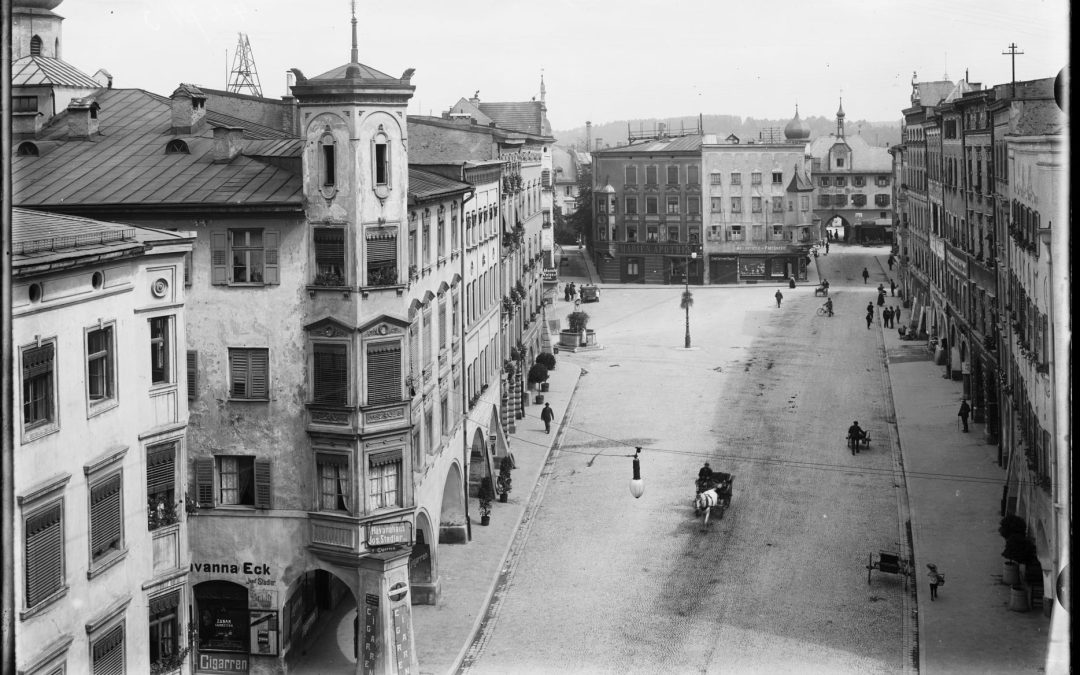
(525,116)
(126,164)
(464,105)
(32,71)
(366,73)
(39,238)
(864,157)
(691,142)
(425,185)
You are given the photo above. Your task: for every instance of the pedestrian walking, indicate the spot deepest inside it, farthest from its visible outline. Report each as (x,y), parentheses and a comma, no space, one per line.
(886,316)
(892,288)
(965,410)
(566,292)
(891,261)
(869,319)
(826,247)
(779,297)
(573,290)
(548,416)
(869,308)
(865,275)
(936,579)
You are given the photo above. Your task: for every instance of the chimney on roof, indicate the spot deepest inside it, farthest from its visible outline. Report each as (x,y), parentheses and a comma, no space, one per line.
(588,135)
(227,143)
(82,118)
(475,100)
(188,109)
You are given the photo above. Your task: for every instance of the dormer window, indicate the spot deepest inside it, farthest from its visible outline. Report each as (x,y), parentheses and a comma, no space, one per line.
(35,46)
(176,146)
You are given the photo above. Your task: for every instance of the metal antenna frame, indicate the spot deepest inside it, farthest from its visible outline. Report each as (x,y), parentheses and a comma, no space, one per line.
(244,75)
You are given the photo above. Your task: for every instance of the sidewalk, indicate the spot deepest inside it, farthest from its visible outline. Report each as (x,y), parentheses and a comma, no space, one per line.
(470,572)
(954,494)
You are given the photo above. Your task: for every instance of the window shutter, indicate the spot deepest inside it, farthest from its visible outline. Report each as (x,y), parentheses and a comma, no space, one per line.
(204,481)
(270,260)
(105,515)
(259,369)
(238,373)
(192,374)
(331,377)
(384,373)
(219,258)
(161,469)
(262,484)
(109,653)
(44,554)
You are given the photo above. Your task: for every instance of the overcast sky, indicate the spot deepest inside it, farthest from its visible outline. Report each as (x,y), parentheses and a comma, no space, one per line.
(602,61)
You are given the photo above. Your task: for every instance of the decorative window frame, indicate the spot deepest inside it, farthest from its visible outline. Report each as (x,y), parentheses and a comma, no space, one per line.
(52,425)
(96,407)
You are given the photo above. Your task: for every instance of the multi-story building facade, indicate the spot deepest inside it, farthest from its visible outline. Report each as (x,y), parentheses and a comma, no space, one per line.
(100,535)
(647,203)
(853,186)
(335,402)
(759,220)
(983,181)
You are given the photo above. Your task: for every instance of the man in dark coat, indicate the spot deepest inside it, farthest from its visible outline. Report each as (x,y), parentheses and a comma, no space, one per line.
(965,410)
(865,274)
(548,416)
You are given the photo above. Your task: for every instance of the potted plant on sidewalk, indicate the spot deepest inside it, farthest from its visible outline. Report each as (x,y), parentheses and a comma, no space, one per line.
(1013,530)
(486,495)
(504,479)
(537,373)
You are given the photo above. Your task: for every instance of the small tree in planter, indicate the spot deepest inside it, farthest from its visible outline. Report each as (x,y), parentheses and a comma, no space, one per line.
(486,495)
(547,360)
(537,373)
(504,480)
(579,321)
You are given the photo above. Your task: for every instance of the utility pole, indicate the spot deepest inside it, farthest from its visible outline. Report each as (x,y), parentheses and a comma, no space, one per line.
(1013,53)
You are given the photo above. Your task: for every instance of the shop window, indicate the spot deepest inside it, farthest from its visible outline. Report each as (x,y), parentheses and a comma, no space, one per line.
(330,374)
(223,618)
(107,652)
(249,374)
(384,480)
(39,389)
(253,254)
(106,519)
(334,492)
(44,548)
(161,350)
(164,627)
(161,486)
(383,372)
(329,256)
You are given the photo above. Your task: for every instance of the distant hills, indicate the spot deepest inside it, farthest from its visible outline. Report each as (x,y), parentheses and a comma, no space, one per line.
(746,128)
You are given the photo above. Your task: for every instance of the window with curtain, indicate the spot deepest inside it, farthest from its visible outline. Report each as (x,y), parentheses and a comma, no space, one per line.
(384,480)
(334,492)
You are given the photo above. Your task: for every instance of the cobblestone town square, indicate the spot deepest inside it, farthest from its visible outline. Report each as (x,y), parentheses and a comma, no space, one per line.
(607,583)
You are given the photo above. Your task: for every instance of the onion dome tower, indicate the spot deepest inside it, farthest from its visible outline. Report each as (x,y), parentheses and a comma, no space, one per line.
(797,129)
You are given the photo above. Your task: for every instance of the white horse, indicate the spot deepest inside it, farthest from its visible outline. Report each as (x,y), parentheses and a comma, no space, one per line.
(705,501)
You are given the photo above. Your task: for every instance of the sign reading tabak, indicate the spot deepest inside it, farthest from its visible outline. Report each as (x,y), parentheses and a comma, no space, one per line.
(398,533)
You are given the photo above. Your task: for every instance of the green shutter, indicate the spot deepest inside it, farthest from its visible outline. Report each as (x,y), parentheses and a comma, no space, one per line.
(204,482)
(219,258)
(262,484)
(270,259)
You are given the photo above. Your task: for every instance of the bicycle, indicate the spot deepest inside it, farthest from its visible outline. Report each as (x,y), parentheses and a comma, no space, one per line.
(824,311)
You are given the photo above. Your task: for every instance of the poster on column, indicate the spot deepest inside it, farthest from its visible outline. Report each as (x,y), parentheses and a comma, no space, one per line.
(371,635)
(402,646)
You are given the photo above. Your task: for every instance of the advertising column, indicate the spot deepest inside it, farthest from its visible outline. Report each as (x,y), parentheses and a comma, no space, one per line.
(386,624)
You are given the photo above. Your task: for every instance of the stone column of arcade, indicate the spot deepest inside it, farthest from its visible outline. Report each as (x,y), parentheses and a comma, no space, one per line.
(385,615)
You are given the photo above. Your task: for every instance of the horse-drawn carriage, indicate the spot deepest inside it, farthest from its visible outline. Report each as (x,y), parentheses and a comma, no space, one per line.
(713,494)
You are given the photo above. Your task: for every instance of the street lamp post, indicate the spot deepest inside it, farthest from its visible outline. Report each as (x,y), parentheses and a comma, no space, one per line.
(688,298)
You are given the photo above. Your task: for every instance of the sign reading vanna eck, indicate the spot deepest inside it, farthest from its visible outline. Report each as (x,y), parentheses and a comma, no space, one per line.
(224,663)
(244,568)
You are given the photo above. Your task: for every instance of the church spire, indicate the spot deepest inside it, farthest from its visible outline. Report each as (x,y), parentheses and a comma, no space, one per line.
(840,118)
(543,89)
